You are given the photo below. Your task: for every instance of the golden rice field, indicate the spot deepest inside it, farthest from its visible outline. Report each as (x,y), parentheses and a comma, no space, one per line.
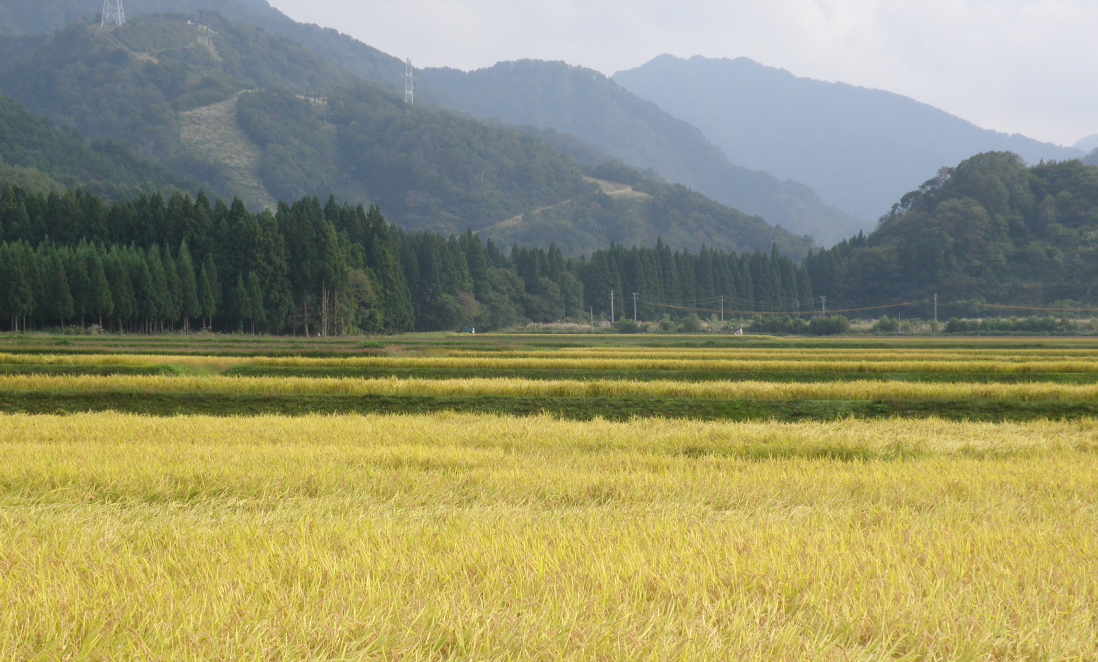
(458,537)
(481,536)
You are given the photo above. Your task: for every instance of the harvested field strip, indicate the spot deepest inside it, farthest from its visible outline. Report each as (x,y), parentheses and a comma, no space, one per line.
(851,391)
(1005,364)
(648,375)
(579,409)
(485,537)
(836,365)
(898,353)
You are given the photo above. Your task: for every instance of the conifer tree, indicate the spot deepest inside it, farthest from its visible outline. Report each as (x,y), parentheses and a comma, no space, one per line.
(207,303)
(79,281)
(240,303)
(257,313)
(60,297)
(174,289)
(190,307)
(100,301)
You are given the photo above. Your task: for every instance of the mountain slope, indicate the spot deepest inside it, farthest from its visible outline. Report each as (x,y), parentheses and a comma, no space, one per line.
(858,148)
(1092,158)
(432,170)
(586,104)
(988,231)
(224,103)
(130,84)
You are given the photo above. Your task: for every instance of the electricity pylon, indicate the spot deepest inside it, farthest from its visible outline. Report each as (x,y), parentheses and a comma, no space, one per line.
(113,13)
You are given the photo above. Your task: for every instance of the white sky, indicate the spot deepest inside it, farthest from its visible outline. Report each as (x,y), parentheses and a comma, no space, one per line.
(1019,66)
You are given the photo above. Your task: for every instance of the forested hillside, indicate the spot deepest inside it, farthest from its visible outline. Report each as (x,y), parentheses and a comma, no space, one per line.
(990,231)
(39,156)
(587,104)
(1092,158)
(237,110)
(153,263)
(860,149)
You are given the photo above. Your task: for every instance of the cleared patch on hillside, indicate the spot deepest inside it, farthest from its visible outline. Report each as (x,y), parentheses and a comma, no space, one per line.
(616,190)
(213,132)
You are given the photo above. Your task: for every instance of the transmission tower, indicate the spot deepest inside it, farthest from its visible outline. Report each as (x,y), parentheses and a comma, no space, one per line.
(409,82)
(113,13)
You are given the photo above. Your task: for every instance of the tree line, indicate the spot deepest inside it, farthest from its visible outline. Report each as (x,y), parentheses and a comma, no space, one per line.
(156,263)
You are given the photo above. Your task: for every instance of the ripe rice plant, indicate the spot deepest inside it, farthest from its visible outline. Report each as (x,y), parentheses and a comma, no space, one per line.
(480,537)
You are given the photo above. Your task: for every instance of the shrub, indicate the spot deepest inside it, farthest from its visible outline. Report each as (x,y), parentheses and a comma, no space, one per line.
(692,324)
(828,326)
(626,325)
(887,325)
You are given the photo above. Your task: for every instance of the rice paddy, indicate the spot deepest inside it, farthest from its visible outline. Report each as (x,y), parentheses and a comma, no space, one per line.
(193,512)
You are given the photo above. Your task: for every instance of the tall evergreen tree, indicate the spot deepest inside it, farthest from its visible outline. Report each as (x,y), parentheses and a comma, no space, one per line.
(190,307)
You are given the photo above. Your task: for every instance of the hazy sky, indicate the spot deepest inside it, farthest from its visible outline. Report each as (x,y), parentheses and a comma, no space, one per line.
(1019,66)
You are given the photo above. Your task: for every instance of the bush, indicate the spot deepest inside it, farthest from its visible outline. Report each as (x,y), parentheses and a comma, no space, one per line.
(625,325)
(887,325)
(828,326)
(692,324)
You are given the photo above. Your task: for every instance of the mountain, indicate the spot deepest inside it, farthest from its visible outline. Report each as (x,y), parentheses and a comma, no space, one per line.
(990,231)
(43,16)
(586,104)
(225,105)
(858,148)
(1092,158)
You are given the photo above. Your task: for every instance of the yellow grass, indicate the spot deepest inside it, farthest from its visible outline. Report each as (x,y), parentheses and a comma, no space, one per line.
(718,390)
(483,538)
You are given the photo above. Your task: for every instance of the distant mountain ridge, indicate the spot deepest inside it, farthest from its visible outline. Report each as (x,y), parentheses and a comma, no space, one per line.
(585,103)
(860,149)
(1088,144)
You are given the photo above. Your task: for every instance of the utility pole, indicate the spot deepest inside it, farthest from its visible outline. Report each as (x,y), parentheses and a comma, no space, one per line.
(634,307)
(592,309)
(824,306)
(611,306)
(935,307)
(722,309)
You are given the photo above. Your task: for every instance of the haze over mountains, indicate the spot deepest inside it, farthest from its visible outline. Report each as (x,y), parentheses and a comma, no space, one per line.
(860,149)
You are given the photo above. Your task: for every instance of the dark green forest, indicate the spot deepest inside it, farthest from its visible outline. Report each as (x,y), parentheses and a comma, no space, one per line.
(177,263)
(989,232)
